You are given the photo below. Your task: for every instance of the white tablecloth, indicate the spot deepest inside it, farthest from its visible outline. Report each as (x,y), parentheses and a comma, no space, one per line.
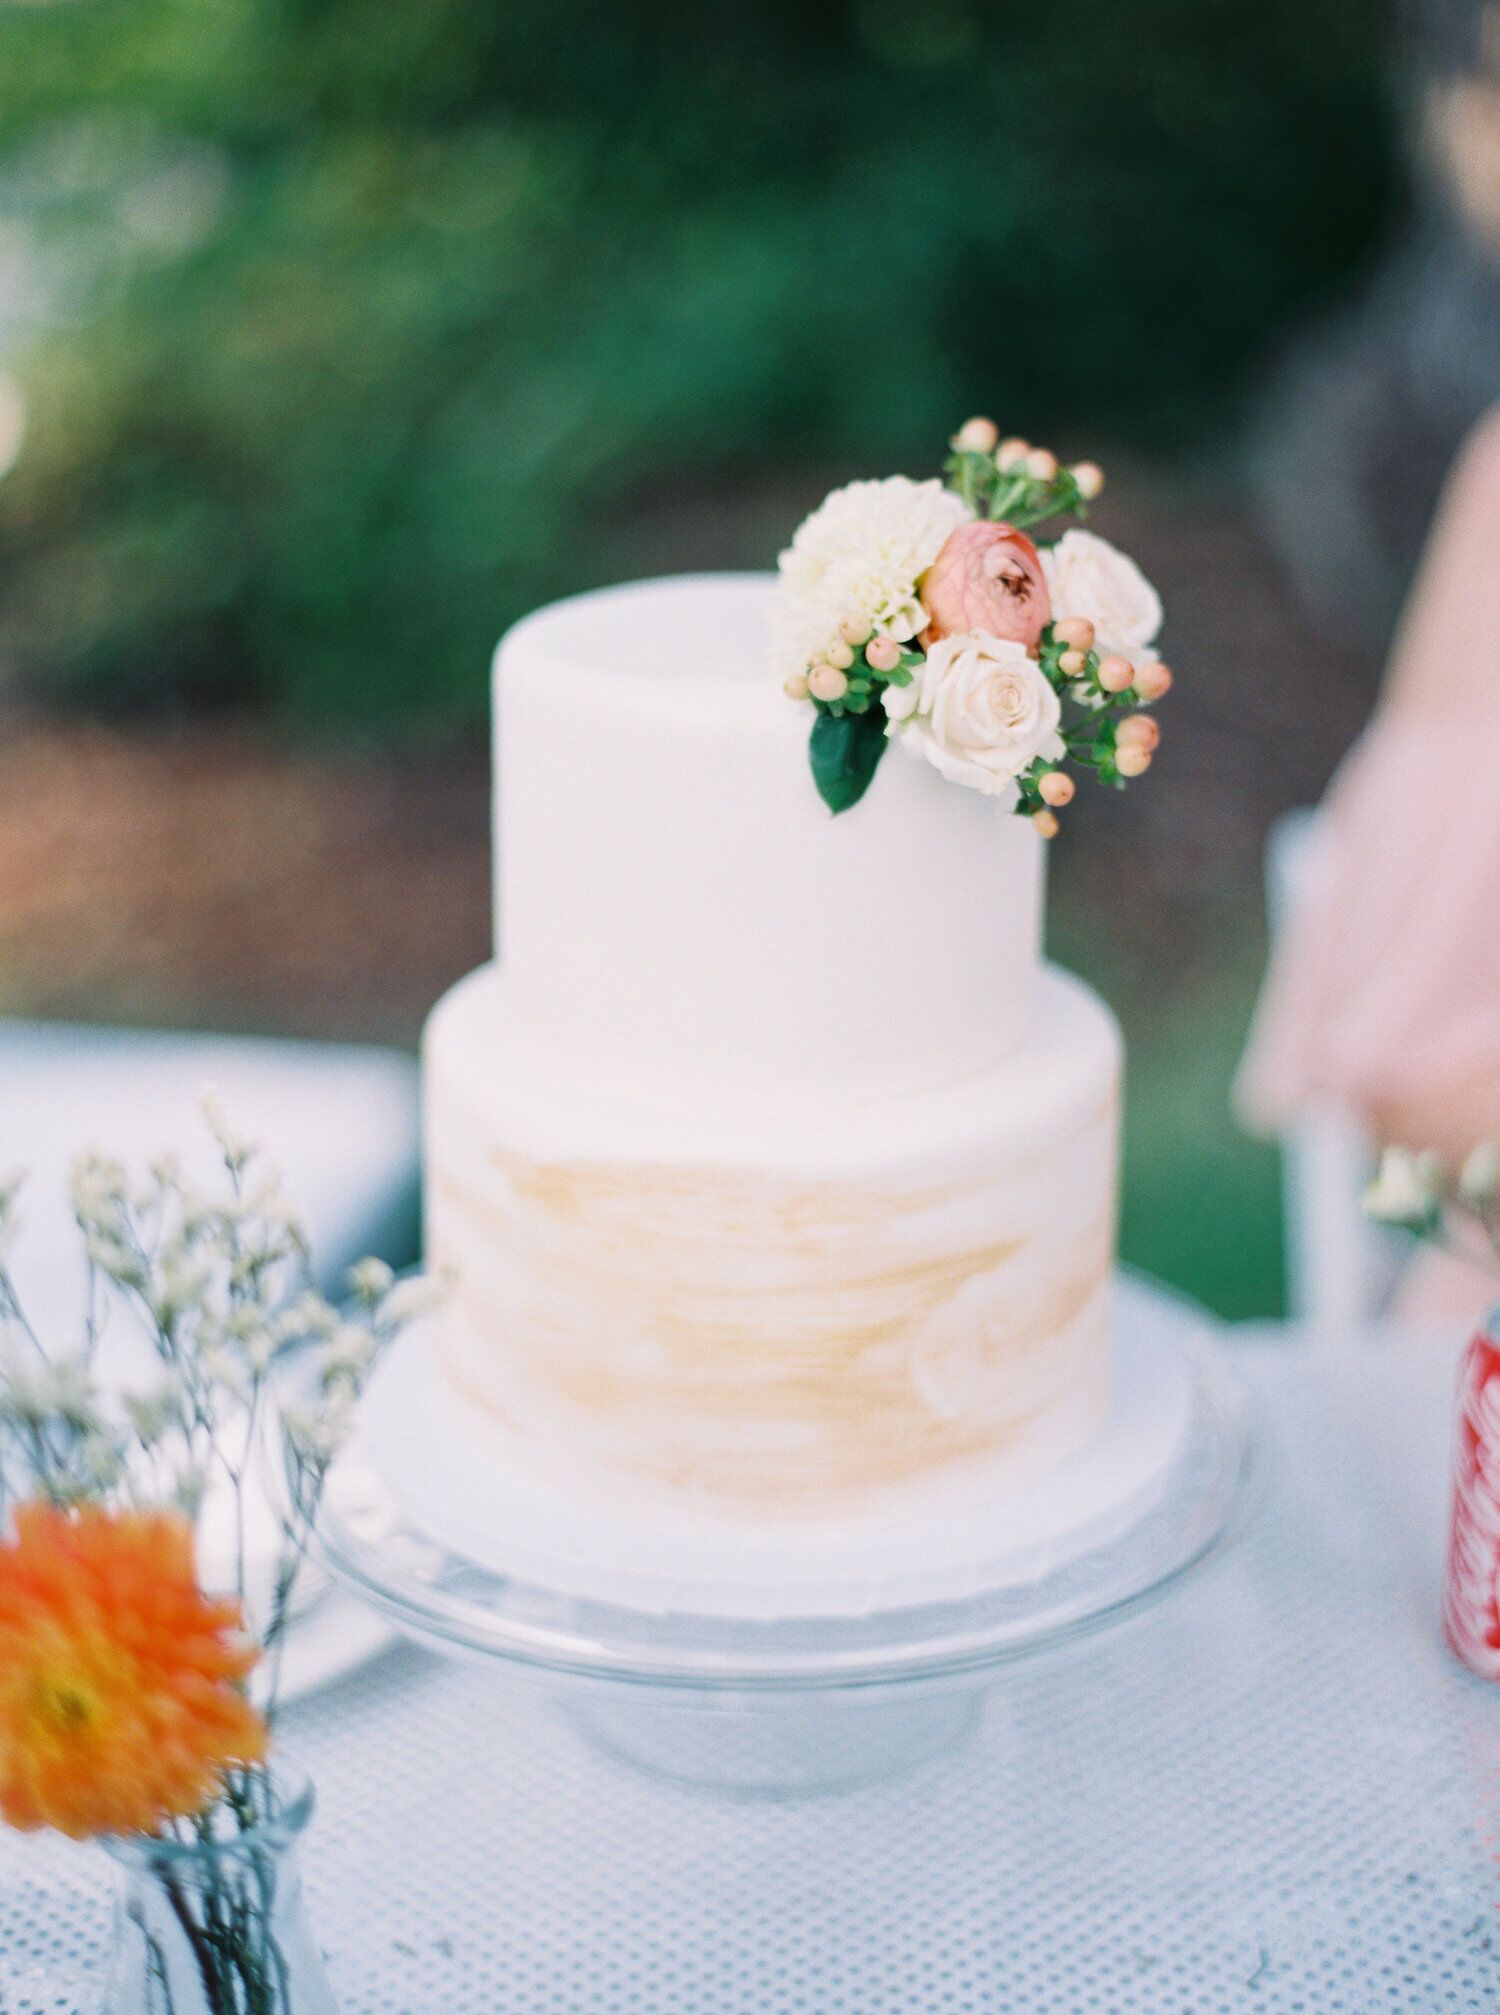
(337,1121)
(1273,1793)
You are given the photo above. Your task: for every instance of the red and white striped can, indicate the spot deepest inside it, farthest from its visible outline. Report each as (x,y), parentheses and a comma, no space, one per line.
(1471,1587)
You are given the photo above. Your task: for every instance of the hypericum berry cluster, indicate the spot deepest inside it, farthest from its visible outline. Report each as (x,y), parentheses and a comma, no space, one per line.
(1110,735)
(848,677)
(1011,479)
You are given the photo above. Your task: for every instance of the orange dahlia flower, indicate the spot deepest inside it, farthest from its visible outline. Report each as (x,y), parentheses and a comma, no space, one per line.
(120,1681)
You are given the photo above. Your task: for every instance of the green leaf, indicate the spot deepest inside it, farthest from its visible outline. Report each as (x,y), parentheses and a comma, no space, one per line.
(845,755)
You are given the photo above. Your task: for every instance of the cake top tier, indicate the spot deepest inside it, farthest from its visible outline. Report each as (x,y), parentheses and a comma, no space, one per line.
(676,903)
(690,644)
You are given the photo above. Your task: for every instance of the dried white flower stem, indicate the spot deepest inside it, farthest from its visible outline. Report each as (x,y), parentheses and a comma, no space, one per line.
(221,1288)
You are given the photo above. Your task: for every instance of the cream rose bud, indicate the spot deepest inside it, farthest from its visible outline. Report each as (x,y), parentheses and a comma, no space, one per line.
(980,710)
(905,620)
(1087,576)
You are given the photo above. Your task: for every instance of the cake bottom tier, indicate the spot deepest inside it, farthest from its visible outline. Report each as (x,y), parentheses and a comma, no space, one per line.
(786,1315)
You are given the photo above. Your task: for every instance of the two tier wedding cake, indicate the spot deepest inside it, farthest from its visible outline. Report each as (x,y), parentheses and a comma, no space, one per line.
(773,1170)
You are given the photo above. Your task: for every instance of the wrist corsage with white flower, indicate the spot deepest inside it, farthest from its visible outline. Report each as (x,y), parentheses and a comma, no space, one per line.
(929,615)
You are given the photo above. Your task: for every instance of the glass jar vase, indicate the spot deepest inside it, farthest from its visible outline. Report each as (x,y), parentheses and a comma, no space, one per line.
(209,1920)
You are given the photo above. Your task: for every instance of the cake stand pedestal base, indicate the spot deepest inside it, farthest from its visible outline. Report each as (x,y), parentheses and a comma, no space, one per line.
(799,1702)
(748,1744)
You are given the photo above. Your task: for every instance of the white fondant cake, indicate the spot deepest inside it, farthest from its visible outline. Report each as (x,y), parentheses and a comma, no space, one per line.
(774,1171)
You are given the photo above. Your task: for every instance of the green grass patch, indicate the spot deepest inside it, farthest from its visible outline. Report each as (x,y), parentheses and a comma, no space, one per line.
(1202,1204)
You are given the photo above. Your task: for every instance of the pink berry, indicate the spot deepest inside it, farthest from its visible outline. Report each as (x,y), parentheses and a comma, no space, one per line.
(883,654)
(1116,674)
(1056,788)
(1153,681)
(1072,664)
(1090,479)
(1045,823)
(1132,760)
(977,436)
(1076,632)
(827,682)
(1140,730)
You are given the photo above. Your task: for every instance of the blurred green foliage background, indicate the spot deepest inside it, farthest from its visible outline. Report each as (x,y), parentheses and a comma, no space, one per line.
(345,331)
(356,327)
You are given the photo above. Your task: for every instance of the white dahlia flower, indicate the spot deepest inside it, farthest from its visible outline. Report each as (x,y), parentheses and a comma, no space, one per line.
(859,557)
(1087,576)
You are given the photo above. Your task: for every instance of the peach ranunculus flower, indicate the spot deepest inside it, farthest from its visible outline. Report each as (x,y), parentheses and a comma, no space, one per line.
(988,576)
(121,1700)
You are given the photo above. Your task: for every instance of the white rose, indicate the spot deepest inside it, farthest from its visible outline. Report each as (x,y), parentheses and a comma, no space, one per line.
(1087,576)
(980,711)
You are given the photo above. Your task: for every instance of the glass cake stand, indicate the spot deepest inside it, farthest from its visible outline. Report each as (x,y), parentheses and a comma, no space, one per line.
(806,1703)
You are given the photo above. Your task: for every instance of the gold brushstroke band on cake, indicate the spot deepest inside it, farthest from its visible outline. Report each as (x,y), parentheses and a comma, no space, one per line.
(783,1315)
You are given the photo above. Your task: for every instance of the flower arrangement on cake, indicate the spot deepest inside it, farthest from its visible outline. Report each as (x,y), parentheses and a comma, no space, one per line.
(927,614)
(136,1705)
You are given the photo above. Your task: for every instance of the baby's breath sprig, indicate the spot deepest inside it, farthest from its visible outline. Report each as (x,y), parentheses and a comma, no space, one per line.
(222,1287)
(105,1628)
